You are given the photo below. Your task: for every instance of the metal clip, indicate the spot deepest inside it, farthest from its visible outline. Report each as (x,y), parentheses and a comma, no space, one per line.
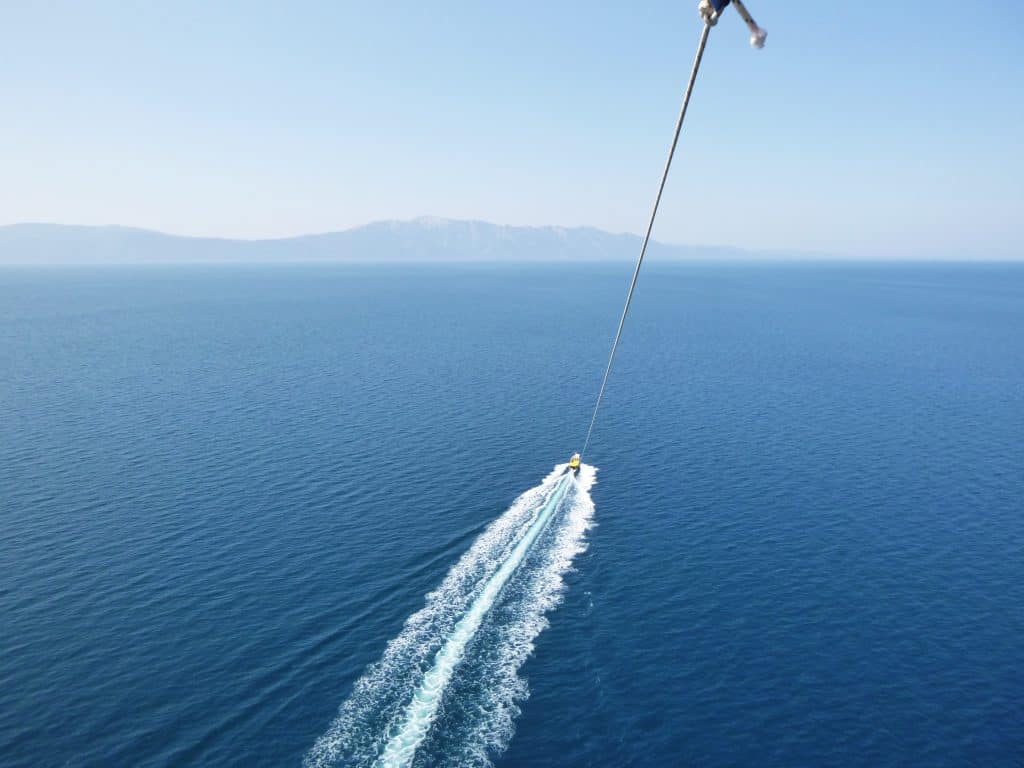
(711,11)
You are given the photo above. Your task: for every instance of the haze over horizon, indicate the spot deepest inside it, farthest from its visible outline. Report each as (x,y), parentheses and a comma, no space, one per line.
(423,240)
(853,132)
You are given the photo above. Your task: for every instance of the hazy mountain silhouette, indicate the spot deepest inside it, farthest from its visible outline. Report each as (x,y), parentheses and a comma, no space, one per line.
(419,240)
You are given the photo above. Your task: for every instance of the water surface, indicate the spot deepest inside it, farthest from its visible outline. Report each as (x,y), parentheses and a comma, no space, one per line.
(224,490)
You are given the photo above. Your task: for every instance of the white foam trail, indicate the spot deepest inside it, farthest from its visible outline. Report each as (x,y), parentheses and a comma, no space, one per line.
(395,703)
(524,617)
(420,715)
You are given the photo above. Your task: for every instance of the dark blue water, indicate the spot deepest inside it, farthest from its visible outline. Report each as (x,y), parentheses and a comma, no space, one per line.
(223,491)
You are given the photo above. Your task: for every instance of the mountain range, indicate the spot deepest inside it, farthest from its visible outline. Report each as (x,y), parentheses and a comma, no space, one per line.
(418,240)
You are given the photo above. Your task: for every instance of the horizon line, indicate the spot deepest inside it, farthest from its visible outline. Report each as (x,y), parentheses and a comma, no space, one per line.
(733,253)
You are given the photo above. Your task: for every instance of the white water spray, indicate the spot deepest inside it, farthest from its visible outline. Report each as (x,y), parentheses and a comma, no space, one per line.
(423,708)
(395,704)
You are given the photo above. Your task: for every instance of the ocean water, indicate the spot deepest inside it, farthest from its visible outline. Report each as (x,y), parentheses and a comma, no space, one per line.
(225,491)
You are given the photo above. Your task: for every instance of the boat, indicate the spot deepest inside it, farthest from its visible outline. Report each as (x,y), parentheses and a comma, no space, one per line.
(574,463)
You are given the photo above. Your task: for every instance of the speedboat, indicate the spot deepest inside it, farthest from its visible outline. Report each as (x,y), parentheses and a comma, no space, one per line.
(574,463)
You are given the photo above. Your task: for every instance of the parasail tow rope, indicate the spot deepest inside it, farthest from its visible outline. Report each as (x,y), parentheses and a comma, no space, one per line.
(709,11)
(650,226)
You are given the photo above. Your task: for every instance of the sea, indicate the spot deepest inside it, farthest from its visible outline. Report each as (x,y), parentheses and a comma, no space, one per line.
(317,515)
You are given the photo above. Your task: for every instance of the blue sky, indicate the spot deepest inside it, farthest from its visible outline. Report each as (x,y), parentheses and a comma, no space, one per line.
(863,129)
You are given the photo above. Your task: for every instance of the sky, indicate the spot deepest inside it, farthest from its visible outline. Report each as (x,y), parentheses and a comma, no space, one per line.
(863,129)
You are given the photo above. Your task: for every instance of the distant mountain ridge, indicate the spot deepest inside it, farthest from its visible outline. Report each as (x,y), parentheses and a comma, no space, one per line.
(419,240)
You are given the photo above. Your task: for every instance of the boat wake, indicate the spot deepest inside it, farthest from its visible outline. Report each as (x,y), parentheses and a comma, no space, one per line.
(447,688)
